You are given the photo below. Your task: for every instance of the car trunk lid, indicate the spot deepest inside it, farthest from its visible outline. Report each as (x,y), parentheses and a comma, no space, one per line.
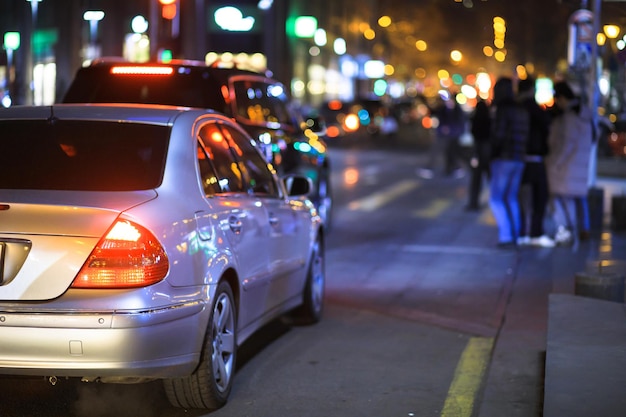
(44,245)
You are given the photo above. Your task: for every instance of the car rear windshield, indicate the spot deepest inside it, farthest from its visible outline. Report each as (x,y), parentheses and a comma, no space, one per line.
(81,155)
(183,87)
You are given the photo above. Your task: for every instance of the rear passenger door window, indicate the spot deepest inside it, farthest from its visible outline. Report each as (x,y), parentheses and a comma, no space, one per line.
(215,151)
(256,171)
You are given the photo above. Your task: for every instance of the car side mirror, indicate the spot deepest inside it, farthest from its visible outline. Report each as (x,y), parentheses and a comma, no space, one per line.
(297,185)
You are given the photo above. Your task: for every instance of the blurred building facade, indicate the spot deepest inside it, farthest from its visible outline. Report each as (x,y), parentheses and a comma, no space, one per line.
(55,40)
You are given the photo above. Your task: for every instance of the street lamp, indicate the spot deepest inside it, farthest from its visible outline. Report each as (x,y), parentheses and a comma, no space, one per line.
(11,43)
(30,61)
(93,17)
(611,31)
(456,56)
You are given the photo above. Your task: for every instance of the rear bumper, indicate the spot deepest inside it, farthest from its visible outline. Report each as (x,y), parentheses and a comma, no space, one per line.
(116,346)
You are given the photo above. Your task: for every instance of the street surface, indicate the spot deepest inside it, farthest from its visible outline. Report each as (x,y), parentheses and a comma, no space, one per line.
(424,317)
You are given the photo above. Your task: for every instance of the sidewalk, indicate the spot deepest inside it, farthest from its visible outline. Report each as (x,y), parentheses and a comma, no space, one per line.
(584,368)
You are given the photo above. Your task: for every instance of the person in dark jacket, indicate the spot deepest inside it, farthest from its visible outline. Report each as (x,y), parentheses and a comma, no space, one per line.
(534,178)
(509,135)
(481,129)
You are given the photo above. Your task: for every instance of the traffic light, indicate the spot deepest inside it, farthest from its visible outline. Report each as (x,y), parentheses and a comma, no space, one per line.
(169,9)
(301,26)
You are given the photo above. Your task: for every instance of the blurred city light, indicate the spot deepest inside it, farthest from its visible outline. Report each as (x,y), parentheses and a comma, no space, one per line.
(339,46)
(380,87)
(94,15)
(369,34)
(483,83)
(139,24)
(468,91)
(305,26)
(320,37)
(374,69)
(544,91)
(12,40)
(611,31)
(265,4)
(231,19)
(169,9)
(384,21)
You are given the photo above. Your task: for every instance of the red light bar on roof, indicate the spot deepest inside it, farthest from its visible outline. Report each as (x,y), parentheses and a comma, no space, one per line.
(142,70)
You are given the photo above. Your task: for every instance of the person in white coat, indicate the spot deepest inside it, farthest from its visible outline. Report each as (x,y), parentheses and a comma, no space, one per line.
(570,141)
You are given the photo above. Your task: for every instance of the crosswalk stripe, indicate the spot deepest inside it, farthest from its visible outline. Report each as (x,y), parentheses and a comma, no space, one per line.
(379,199)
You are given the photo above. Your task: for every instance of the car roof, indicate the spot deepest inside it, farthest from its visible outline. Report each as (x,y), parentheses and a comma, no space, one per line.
(140,113)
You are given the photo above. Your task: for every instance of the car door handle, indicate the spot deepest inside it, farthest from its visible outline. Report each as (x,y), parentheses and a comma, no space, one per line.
(273,219)
(235,224)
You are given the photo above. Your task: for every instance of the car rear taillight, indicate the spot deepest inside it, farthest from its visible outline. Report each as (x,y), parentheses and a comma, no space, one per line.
(128,256)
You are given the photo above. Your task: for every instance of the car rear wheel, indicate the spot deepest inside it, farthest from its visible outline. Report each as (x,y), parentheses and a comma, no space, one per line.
(210,384)
(310,311)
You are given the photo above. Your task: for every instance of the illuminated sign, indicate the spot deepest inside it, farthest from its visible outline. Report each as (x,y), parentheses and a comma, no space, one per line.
(230,18)
(226,19)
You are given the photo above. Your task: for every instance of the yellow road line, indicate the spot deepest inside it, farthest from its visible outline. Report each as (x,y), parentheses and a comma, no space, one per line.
(377,200)
(468,378)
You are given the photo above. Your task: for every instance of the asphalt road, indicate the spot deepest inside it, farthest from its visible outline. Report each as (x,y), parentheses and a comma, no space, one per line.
(417,295)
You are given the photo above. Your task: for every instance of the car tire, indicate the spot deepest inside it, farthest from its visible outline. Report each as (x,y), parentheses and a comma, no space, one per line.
(310,312)
(209,385)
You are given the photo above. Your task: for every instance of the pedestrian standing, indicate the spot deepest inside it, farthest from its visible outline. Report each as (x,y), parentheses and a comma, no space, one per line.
(509,135)
(479,163)
(570,141)
(534,177)
(451,121)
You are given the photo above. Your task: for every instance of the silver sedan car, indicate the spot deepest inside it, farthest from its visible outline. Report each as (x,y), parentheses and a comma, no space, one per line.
(146,242)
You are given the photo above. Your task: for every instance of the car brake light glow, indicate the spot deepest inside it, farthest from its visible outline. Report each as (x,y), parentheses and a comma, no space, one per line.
(128,256)
(351,122)
(142,70)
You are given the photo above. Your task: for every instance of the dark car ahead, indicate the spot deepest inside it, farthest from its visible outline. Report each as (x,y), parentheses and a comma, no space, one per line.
(257,102)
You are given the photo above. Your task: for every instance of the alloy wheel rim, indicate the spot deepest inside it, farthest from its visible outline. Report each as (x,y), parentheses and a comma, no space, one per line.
(223,342)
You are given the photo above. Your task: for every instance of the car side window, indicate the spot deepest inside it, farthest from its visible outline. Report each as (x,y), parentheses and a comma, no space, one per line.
(256,169)
(220,155)
(208,177)
(261,102)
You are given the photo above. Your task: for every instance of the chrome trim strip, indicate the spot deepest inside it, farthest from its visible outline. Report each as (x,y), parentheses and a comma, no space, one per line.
(2,249)
(106,319)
